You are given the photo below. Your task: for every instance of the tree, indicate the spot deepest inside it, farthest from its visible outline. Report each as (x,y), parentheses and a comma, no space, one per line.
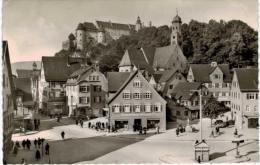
(213,108)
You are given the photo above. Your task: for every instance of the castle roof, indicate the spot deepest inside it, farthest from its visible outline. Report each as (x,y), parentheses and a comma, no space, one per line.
(247,79)
(89,26)
(111,25)
(184,91)
(80,27)
(138,21)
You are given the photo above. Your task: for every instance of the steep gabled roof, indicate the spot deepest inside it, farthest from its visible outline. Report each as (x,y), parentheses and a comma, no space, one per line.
(247,79)
(116,79)
(149,53)
(135,57)
(166,75)
(24,73)
(184,91)
(57,68)
(111,25)
(202,72)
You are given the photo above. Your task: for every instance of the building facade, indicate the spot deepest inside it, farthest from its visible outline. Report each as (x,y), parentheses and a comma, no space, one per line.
(9,105)
(52,86)
(137,104)
(216,77)
(244,98)
(86,91)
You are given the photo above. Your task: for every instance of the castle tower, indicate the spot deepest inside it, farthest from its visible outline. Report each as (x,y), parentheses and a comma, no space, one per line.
(34,66)
(138,24)
(80,36)
(176,29)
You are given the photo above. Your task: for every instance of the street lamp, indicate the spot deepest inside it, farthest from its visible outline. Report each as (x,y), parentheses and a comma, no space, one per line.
(200,104)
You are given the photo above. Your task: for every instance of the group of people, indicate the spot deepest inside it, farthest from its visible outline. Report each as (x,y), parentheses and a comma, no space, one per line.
(38,143)
(80,122)
(180,129)
(216,130)
(98,125)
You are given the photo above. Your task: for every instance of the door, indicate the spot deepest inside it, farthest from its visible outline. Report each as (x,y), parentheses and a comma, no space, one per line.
(137,124)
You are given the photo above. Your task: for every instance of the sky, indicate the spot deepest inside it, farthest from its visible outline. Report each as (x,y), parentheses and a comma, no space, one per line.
(36,28)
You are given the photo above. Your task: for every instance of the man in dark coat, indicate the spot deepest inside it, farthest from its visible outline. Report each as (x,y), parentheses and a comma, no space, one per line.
(28,144)
(47,149)
(23,144)
(39,142)
(38,155)
(63,135)
(35,143)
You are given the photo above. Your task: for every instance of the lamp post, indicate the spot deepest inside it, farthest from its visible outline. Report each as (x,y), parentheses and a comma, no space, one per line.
(200,105)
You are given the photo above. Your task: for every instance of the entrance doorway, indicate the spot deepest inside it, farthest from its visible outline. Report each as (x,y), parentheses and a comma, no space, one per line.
(137,124)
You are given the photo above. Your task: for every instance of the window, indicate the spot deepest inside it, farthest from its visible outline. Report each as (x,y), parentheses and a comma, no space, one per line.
(223,93)
(97,88)
(255,108)
(157,107)
(62,93)
(210,85)
(116,108)
(137,108)
(126,95)
(97,78)
(127,108)
(83,100)
(224,85)
(137,95)
(186,113)
(52,84)
(83,89)
(148,108)
(216,76)
(250,96)
(137,83)
(97,99)
(247,108)
(256,96)
(148,95)
(171,86)
(217,85)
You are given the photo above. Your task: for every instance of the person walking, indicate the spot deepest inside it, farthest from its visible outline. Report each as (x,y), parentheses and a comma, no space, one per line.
(28,144)
(81,123)
(39,142)
(47,149)
(37,155)
(35,142)
(63,135)
(77,122)
(177,132)
(23,144)
(89,124)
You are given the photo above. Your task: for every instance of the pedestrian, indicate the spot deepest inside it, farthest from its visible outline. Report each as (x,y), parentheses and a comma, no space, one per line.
(81,123)
(35,124)
(89,124)
(35,142)
(199,159)
(63,135)
(39,142)
(17,144)
(140,130)
(177,132)
(235,133)
(38,155)
(158,129)
(77,122)
(23,161)
(212,134)
(39,122)
(23,144)
(15,150)
(28,144)
(47,149)
(145,130)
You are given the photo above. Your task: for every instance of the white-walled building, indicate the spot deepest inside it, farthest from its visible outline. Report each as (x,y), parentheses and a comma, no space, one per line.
(86,90)
(244,98)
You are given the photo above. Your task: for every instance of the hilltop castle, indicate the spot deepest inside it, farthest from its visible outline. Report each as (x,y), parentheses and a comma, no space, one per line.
(99,32)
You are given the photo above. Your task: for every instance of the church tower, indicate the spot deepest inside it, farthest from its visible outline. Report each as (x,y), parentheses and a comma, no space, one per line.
(80,36)
(138,24)
(176,29)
